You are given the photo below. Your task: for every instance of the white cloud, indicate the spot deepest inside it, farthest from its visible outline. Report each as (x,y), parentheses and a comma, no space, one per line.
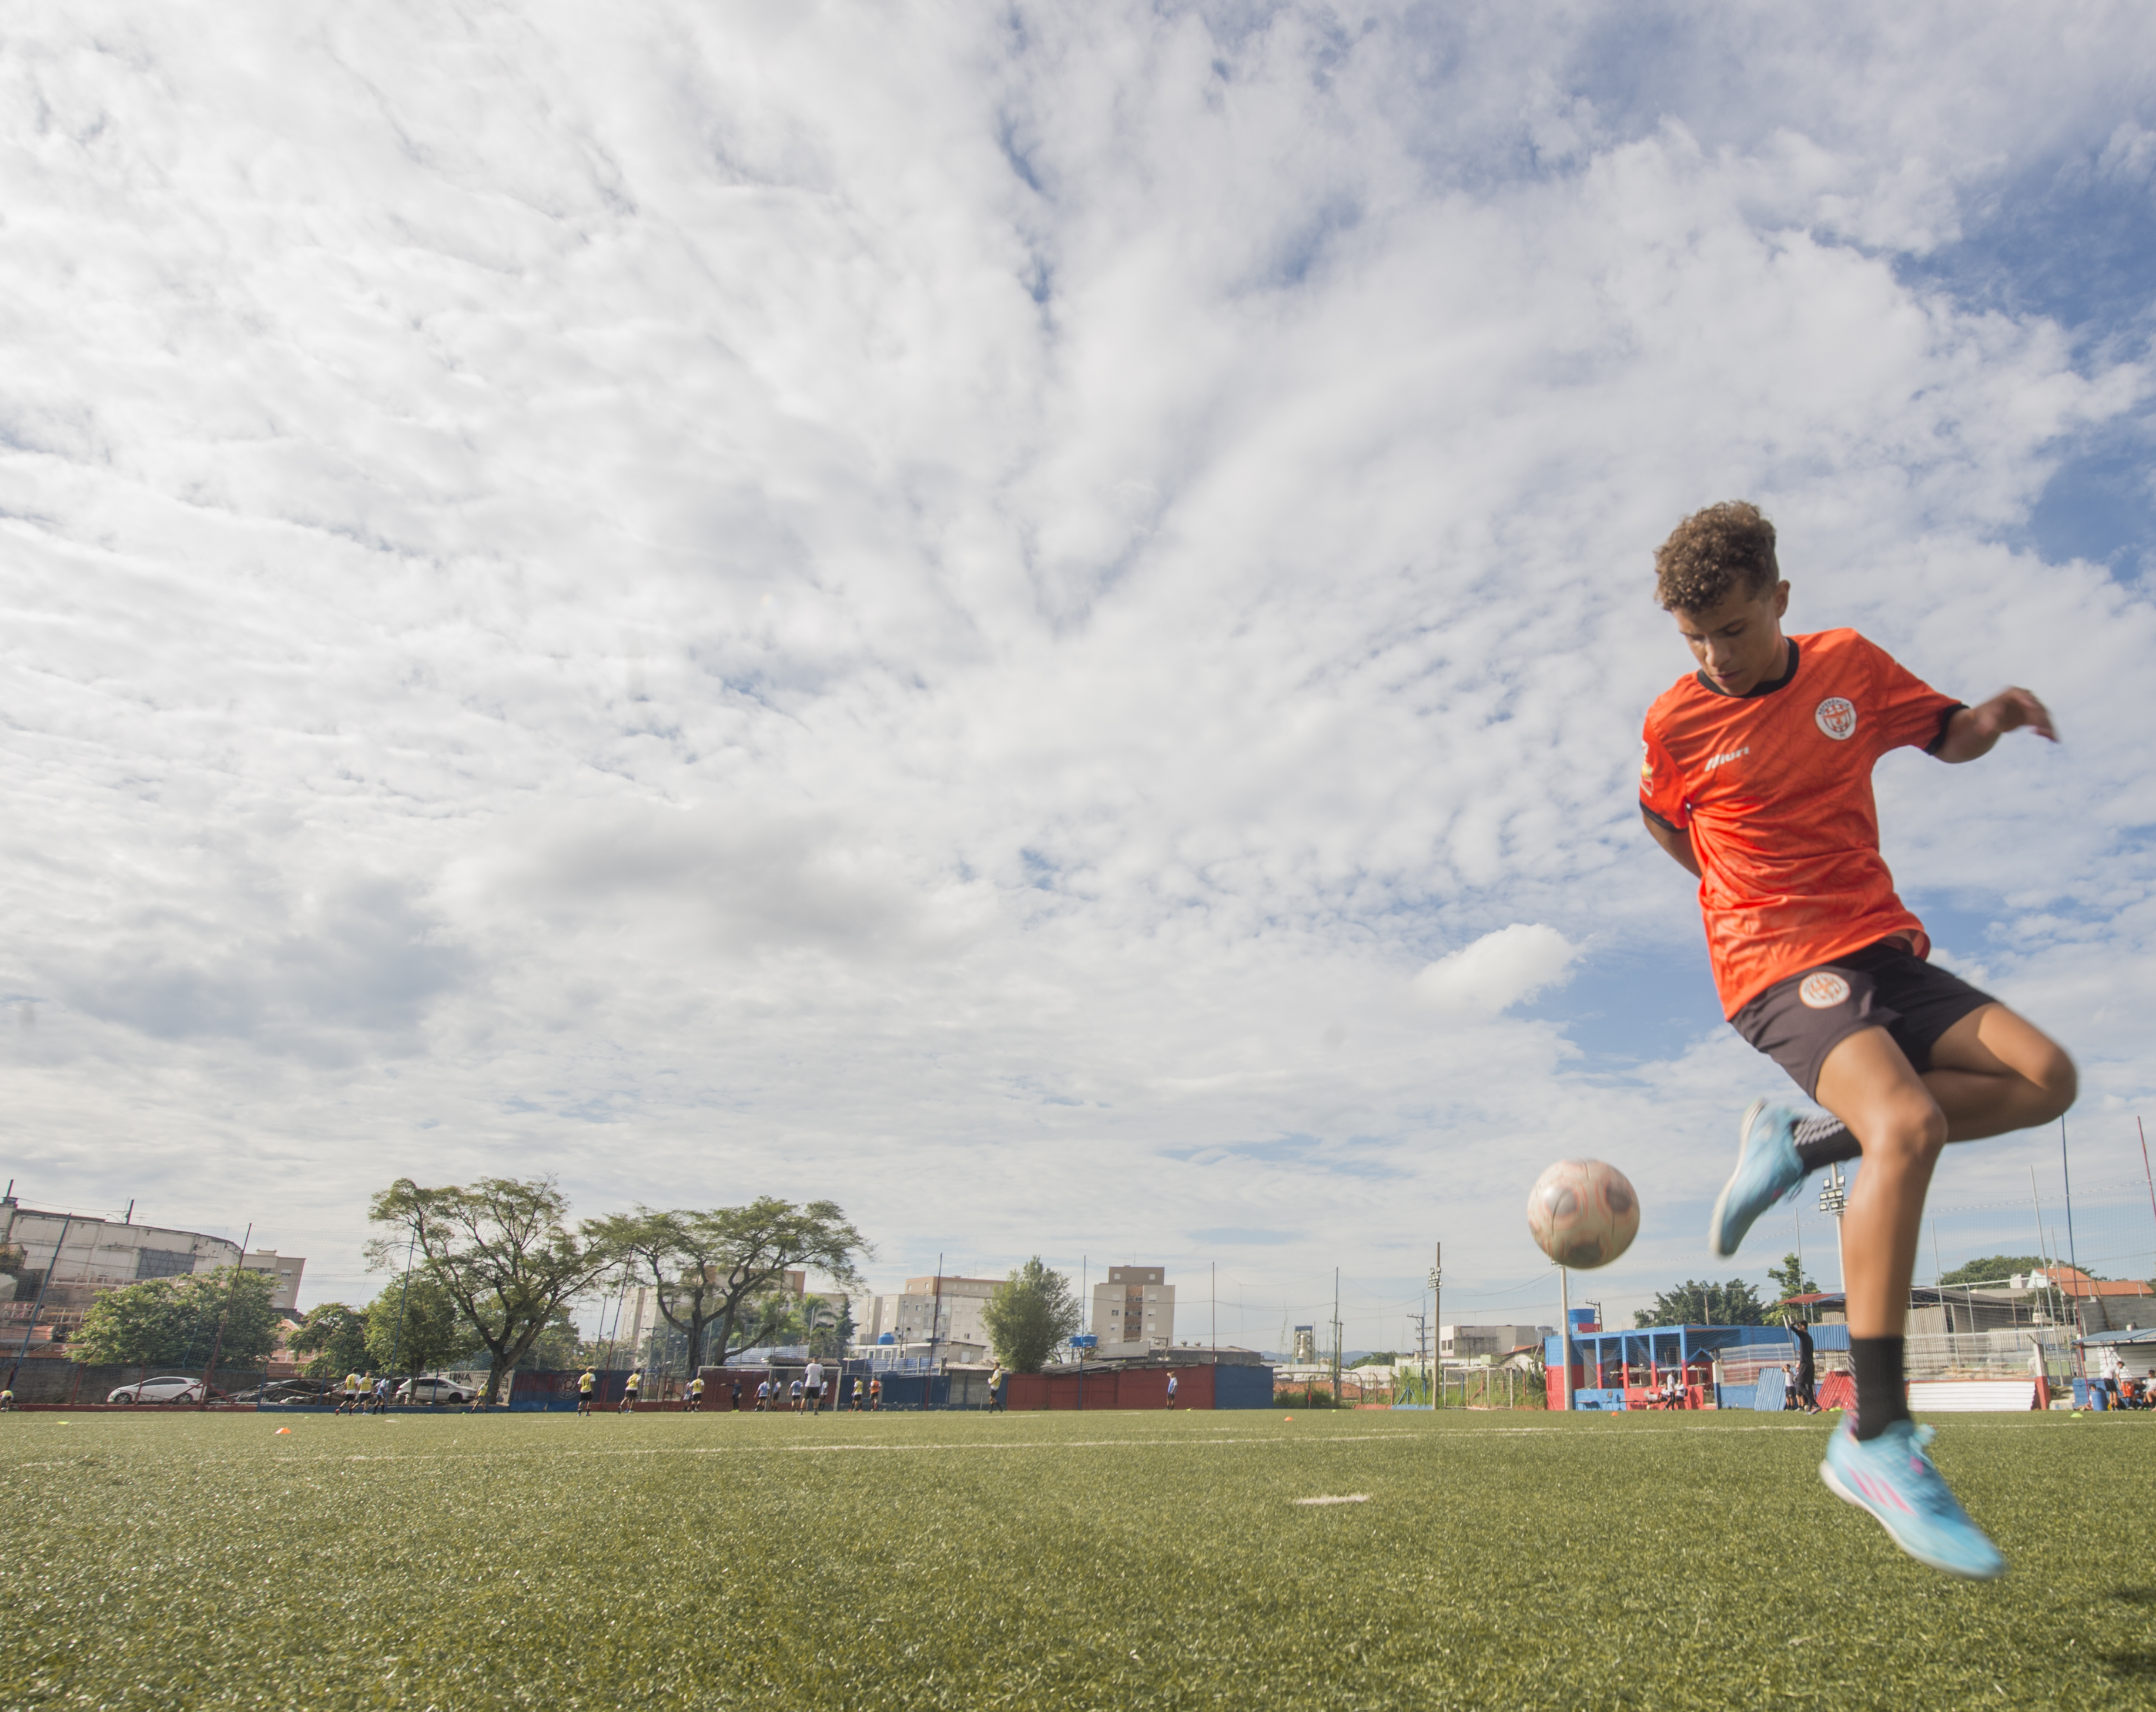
(1499,970)
(943,611)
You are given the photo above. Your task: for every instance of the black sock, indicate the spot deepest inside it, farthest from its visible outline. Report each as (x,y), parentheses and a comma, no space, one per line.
(1882,1397)
(1824,1141)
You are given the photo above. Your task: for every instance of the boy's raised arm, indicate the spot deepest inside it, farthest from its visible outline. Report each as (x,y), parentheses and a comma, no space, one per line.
(1972,732)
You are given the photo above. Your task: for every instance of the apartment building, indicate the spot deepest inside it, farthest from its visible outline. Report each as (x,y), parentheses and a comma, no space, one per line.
(1135,1306)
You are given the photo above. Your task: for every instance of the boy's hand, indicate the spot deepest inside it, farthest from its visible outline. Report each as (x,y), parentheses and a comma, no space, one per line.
(1974,730)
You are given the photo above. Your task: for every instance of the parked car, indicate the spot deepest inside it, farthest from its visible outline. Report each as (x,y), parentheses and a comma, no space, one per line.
(285,1391)
(432,1391)
(173,1388)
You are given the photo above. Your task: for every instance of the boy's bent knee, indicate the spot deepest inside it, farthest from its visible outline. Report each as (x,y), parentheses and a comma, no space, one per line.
(2060,1081)
(1903,1131)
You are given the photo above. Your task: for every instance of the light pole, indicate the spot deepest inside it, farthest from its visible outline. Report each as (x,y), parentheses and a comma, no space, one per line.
(1834,1196)
(1437,1324)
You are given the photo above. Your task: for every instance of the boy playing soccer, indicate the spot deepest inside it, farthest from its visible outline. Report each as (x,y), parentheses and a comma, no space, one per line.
(1757,778)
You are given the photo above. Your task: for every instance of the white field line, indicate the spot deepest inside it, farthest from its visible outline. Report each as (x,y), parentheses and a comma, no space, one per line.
(1345,1498)
(1271,1442)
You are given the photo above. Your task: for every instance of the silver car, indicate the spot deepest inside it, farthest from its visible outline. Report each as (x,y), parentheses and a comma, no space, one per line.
(169,1389)
(431,1391)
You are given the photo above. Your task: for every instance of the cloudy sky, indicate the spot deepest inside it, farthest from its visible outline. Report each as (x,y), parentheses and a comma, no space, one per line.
(1033,618)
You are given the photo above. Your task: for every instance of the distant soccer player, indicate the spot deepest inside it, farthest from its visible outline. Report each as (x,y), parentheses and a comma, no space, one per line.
(1757,778)
(586,1383)
(1171,1390)
(351,1398)
(763,1395)
(696,1395)
(794,1393)
(628,1392)
(876,1394)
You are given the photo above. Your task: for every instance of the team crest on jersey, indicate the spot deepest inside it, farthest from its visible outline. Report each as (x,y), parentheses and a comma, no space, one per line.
(1824,990)
(1646,764)
(1837,717)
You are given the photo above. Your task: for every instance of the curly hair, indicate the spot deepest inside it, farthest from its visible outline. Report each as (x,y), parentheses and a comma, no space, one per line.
(1714,553)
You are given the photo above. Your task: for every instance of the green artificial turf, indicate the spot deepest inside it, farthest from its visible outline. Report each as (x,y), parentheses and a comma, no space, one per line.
(1051,1561)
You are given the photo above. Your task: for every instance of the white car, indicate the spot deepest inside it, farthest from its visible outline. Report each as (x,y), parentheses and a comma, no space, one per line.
(431,1391)
(171,1390)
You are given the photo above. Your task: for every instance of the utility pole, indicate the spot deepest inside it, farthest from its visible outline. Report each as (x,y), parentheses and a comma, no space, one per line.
(1336,1335)
(2073,1255)
(1564,1335)
(935,1318)
(217,1343)
(1437,1324)
(2145,1176)
(404,1295)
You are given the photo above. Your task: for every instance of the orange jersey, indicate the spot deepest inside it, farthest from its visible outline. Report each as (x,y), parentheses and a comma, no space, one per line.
(1775,788)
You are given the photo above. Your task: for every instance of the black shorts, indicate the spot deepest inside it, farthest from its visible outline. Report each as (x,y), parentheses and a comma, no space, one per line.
(1797,1022)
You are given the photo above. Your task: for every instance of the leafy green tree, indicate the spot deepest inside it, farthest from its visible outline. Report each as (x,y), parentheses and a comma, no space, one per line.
(1695,1302)
(721,1267)
(136,1325)
(829,1322)
(334,1336)
(1790,1278)
(555,1349)
(183,1322)
(1993,1268)
(413,1327)
(503,1250)
(1032,1311)
(756,1246)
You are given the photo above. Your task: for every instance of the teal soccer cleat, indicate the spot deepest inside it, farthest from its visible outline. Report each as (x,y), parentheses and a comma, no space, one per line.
(1768,1168)
(1892,1478)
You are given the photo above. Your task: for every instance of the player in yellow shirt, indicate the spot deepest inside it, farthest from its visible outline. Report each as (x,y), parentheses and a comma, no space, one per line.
(585,1382)
(630,1391)
(697,1394)
(349,1399)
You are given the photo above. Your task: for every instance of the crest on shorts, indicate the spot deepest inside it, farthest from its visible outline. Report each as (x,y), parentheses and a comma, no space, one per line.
(1823,991)
(1837,717)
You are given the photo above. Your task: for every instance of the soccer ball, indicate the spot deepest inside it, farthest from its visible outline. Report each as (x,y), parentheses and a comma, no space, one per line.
(1582,1212)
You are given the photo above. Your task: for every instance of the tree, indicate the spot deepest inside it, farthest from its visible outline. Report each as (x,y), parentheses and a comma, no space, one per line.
(178,1322)
(1031,1312)
(1790,1278)
(136,1325)
(334,1335)
(502,1251)
(689,1260)
(413,1327)
(1695,1302)
(555,1349)
(830,1325)
(1993,1268)
(727,1267)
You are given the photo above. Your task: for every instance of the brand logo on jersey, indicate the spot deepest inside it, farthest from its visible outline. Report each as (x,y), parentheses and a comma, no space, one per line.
(1647,764)
(1823,991)
(1837,717)
(1733,755)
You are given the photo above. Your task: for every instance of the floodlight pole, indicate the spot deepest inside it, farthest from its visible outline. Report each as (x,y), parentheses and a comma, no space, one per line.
(1834,1196)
